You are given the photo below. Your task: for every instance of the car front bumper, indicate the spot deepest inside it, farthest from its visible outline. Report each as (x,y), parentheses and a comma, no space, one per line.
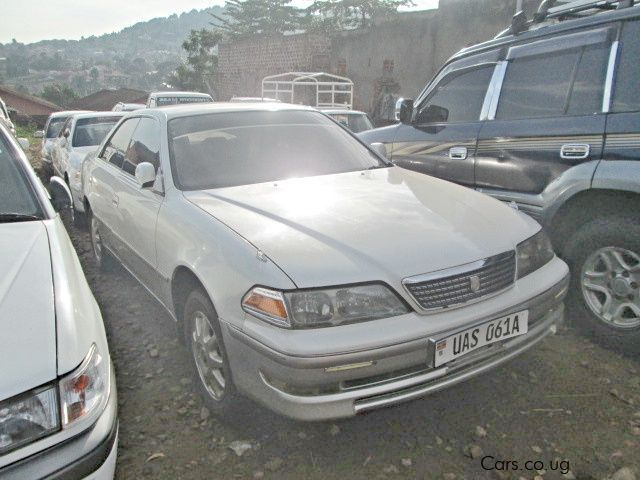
(89,455)
(337,386)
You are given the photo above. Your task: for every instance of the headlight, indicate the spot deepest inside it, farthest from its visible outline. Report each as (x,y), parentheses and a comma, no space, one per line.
(84,392)
(324,307)
(534,253)
(28,417)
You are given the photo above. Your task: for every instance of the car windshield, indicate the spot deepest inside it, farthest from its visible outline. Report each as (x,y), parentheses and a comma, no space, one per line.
(240,148)
(162,101)
(17,198)
(55,125)
(353,121)
(91,131)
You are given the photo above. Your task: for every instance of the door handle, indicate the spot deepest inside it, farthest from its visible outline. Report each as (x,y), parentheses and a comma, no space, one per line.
(458,153)
(115,200)
(575,151)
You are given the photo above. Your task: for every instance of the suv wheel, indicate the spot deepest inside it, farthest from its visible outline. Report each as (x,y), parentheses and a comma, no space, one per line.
(604,257)
(203,338)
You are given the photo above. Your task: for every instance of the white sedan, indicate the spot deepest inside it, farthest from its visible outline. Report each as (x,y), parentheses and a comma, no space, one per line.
(307,272)
(80,135)
(58,407)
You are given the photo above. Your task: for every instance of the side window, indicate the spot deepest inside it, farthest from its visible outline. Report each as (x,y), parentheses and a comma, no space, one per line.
(625,96)
(458,98)
(568,82)
(144,147)
(118,144)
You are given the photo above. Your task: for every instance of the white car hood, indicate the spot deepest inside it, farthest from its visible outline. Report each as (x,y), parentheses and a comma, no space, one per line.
(27,316)
(384,224)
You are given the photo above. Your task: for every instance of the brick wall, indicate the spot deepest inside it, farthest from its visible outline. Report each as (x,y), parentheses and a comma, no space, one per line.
(243,64)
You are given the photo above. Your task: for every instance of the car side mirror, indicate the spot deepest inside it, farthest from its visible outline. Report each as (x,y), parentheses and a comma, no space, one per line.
(380,149)
(60,194)
(404,110)
(145,174)
(66,133)
(38,134)
(24,143)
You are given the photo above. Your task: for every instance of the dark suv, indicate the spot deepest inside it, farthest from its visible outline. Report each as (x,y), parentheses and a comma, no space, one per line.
(547,115)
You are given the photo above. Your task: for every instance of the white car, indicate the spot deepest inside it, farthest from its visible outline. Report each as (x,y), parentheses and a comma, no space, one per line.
(80,135)
(354,120)
(58,407)
(306,271)
(162,99)
(51,132)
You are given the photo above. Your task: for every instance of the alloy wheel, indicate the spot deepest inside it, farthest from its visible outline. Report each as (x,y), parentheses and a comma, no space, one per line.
(610,281)
(205,347)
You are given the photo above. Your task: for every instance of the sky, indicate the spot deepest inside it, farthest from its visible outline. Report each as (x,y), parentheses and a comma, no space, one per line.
(32,20)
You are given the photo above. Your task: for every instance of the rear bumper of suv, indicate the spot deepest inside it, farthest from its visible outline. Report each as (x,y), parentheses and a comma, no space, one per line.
(305,389)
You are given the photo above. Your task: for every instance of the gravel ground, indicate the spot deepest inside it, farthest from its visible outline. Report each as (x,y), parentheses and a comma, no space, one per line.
(569,404)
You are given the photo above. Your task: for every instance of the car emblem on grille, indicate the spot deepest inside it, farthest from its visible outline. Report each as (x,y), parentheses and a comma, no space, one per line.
(475,283)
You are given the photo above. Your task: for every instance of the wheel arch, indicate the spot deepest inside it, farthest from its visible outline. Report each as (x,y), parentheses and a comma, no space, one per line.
(588,205)
(183,281)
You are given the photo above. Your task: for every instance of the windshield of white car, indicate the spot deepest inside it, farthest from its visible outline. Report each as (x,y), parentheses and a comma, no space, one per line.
(91,131)
(54,127)
(240,148)
(17,199)
(163,101)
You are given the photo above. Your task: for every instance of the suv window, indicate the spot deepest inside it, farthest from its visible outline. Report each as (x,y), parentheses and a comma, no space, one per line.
(116,148)
(569,82)
(457,98)
(145,145)
(625,96)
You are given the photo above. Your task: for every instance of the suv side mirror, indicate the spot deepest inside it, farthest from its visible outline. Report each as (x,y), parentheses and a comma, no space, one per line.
(404,110)
(60,194)
(145,174)
(380,149)
(66,133)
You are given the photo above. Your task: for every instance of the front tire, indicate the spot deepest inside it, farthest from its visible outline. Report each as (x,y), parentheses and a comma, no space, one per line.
(203,338)
(604,256)
(102,257)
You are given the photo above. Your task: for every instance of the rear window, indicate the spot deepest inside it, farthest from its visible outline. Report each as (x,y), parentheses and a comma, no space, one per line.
(54,127)
(162,101)
(91,131)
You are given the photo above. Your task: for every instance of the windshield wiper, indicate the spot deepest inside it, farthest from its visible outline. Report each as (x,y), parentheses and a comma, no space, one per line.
(17,217)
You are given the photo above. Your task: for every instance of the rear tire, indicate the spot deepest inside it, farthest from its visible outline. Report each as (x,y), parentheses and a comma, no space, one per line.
(203,339)
(604,257)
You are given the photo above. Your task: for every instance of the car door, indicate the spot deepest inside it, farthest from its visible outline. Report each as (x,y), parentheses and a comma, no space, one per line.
(623,122)
(546,117)
(104,178)
(60,144)
(138,205)
(441,138)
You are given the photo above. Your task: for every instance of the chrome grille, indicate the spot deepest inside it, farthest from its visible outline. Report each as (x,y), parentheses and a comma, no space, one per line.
(455,287)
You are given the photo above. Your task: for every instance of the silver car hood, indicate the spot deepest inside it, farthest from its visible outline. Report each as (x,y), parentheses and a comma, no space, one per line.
(384,224)
(27,316)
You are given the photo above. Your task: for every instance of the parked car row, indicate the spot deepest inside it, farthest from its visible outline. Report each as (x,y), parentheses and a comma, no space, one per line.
(548,118)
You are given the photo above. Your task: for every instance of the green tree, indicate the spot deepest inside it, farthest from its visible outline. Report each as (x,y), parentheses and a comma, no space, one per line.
(201,67)
(250,17)
(61,95)
(334,15)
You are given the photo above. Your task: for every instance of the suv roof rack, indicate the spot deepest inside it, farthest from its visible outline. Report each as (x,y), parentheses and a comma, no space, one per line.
(562,10)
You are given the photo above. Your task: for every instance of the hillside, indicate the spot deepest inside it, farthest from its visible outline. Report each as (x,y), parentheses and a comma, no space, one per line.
(139,56)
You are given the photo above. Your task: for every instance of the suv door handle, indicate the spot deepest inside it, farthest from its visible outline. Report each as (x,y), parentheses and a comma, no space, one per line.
(115,200)
(458,153)
(575,151)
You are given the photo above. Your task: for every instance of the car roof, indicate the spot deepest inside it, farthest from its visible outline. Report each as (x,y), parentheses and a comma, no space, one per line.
(98,114)
(549,28)
(170,93)
(342,111)
(187,110)
(67,113)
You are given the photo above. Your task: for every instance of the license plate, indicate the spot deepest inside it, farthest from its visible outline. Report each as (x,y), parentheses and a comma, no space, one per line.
(458,345)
